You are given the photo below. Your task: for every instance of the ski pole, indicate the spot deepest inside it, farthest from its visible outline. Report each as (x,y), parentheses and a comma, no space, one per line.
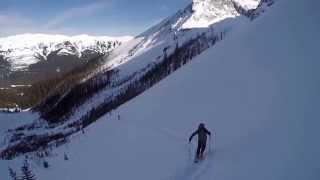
(210,144)
(189,150)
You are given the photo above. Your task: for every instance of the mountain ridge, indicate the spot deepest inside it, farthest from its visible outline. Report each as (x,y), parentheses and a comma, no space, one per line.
(24,50)
(39,62)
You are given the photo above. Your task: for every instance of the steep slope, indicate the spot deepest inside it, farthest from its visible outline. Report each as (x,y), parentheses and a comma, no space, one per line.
(127,72)
(261,105)
(163,48)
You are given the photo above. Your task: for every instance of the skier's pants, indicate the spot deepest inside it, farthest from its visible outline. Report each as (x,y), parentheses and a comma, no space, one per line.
(201,148)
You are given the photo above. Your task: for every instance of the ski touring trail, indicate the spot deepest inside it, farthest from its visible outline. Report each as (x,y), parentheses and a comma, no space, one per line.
(192,170)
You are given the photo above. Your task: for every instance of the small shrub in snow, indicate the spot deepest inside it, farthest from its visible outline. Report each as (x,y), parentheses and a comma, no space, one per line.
(26,172)
(66,158)
(46,164)
(13,174)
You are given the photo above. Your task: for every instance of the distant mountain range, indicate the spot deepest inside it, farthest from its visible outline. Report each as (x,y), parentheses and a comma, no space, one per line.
(29,59)
(21,51)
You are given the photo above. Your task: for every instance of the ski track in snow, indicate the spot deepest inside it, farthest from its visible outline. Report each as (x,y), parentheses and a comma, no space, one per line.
(192,170)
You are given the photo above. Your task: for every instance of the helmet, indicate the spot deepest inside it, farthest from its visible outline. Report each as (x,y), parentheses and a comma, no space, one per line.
(201,125)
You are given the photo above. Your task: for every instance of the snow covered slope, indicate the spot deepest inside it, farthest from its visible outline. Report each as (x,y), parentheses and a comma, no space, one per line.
(189,31)
(26,49)
(201,16)
(260,98)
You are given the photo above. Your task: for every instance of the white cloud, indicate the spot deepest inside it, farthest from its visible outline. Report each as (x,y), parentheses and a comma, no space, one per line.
(155,21)
(74,13)
(13,23)
(164,8)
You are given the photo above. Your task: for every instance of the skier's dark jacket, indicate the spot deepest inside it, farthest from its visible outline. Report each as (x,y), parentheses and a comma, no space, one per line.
(202,134)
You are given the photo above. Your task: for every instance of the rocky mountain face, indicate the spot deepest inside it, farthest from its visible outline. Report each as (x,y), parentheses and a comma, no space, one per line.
(208,12)
(260,8)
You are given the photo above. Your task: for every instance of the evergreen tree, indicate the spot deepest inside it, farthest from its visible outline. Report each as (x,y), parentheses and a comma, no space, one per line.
(46,164)
(26,172)
(13,174)
(66,158)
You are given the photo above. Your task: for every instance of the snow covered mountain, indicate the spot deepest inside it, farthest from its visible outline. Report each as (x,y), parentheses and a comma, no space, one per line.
(142,62)
(248,4)
(208,12)
(171,43)
(30,63)
(188,32)
(130,70)
(21,51)
(262,108)
(209,17)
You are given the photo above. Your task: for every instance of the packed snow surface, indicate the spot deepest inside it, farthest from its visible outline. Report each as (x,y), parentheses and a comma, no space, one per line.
(257,91)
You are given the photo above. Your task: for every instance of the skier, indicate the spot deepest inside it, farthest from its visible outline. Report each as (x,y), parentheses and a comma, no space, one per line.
(202,140)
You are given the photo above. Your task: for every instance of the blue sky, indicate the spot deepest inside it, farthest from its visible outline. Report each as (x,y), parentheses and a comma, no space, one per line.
(93,17)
